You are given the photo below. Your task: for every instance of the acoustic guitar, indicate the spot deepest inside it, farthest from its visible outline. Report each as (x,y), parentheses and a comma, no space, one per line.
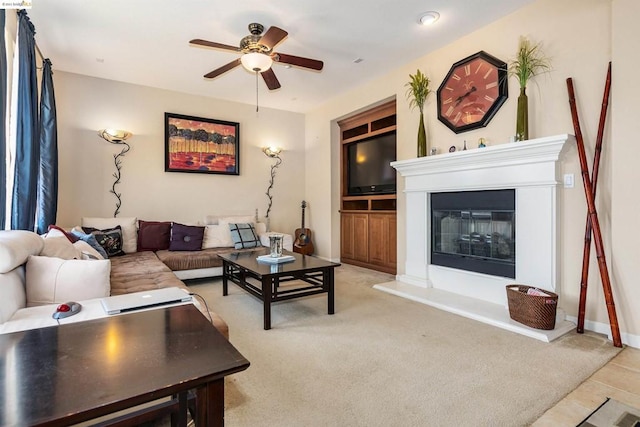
(303,244)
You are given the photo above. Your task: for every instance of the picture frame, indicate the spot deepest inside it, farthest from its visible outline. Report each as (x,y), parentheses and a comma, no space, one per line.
(201,145)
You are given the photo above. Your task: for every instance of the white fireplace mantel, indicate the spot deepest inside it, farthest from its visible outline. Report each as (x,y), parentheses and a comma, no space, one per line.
(528,167)
(526,163)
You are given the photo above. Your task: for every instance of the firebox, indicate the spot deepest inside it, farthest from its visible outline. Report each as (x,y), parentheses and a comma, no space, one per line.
(474,231)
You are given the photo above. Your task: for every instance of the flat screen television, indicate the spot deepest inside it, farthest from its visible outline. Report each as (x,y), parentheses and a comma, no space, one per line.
(368,169)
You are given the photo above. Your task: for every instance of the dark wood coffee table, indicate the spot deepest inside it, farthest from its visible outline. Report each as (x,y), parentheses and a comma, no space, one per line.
(242,268)
(70,373)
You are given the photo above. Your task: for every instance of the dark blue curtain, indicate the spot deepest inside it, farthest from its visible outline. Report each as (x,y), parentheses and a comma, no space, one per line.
(3,127)
(48,185)
(25,185)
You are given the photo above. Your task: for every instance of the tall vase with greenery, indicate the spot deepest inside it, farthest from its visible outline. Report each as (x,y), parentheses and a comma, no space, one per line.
(417,92)
(530,61)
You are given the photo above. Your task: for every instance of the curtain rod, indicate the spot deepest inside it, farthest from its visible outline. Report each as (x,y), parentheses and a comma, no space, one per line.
(38,50)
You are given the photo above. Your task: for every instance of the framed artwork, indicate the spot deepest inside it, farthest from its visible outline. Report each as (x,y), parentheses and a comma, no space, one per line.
(199,145)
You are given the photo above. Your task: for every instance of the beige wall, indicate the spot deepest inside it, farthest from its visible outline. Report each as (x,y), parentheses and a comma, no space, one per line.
(576,35)
(625,203)
(85,104)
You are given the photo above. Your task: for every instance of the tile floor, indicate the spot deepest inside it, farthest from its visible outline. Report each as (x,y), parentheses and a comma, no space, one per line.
(618,379)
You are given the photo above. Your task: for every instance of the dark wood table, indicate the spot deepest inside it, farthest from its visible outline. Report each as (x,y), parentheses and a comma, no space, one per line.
(316,273)
(66,374)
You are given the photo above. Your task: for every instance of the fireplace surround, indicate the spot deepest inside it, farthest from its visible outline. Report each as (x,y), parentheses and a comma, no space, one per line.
(529,169)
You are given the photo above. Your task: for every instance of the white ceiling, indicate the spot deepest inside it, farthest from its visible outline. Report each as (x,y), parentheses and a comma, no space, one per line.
(146,41)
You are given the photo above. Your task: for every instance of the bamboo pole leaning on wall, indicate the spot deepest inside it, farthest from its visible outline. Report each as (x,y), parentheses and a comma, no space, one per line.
(595,223)
(586,254)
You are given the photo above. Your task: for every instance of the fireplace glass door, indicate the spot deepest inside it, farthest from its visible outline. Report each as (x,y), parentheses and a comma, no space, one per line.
(474,231)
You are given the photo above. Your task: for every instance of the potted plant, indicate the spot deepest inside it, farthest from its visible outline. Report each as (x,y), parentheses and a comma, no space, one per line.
(417,92)
(530,61)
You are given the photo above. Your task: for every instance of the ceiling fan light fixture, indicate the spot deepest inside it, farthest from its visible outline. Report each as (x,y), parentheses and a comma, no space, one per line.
(428,18)
(256,62)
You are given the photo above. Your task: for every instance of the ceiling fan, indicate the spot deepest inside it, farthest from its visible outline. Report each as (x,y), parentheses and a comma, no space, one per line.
(258,55)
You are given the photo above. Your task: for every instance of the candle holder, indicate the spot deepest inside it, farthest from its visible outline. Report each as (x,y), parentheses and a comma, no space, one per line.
(275,244)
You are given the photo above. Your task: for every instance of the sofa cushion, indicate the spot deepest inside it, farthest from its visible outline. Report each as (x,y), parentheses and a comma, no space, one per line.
(190,260)
(153,235)
(217,236)
(244,236)
(110,239)
(128,226)
(237,219)
(13,293)
(54,280)
(141,271)
(16,246)
(186,237)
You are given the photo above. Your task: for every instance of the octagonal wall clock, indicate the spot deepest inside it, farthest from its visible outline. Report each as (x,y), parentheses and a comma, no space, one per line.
(472,92)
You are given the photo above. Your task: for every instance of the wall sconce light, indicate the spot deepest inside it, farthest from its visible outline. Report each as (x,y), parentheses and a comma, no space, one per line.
(116,136)
(274,153)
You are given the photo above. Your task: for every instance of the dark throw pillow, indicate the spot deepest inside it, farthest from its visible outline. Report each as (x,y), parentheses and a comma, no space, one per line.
(153,235)
(110,239)
(244,236)
(186,237)
(91,240)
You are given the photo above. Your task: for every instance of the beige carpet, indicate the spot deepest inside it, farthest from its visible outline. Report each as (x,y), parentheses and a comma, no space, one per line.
(385,360)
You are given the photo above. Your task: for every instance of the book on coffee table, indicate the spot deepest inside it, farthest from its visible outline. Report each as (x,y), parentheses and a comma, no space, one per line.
(275,260)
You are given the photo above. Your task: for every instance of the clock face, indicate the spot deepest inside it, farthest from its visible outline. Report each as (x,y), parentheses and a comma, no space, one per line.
(472,92)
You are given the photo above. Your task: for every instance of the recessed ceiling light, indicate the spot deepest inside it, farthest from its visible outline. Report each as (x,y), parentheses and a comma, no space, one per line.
(428,18)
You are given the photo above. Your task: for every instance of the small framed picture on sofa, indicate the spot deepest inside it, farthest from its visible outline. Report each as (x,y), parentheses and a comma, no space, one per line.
(199,145)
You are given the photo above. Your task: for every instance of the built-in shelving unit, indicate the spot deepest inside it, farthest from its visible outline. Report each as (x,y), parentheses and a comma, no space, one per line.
(368,222)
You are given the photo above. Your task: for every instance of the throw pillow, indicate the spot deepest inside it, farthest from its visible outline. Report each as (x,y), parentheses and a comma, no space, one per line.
(68,235)
(60,247)
(153,235)
(244,236)
(217,236)
(128,226)
(91,240)
(110,239)
(186,237)
(87,251)
(261,228)
(54,280)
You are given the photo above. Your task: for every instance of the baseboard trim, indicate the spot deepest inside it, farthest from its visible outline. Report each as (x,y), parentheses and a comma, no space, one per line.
(628,339)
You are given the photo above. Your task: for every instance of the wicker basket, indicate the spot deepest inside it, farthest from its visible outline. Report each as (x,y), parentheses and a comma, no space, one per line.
(534,311)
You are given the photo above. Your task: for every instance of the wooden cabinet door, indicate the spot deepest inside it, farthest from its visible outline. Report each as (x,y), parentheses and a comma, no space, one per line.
(382,239)
(354,236)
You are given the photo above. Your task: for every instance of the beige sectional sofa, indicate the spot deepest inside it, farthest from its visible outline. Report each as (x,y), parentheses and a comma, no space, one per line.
(29,293)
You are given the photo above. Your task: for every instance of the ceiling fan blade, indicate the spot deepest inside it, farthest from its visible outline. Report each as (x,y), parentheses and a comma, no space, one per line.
(270,79)
(273,36)
(299,61)
(207,43)
(223,69)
